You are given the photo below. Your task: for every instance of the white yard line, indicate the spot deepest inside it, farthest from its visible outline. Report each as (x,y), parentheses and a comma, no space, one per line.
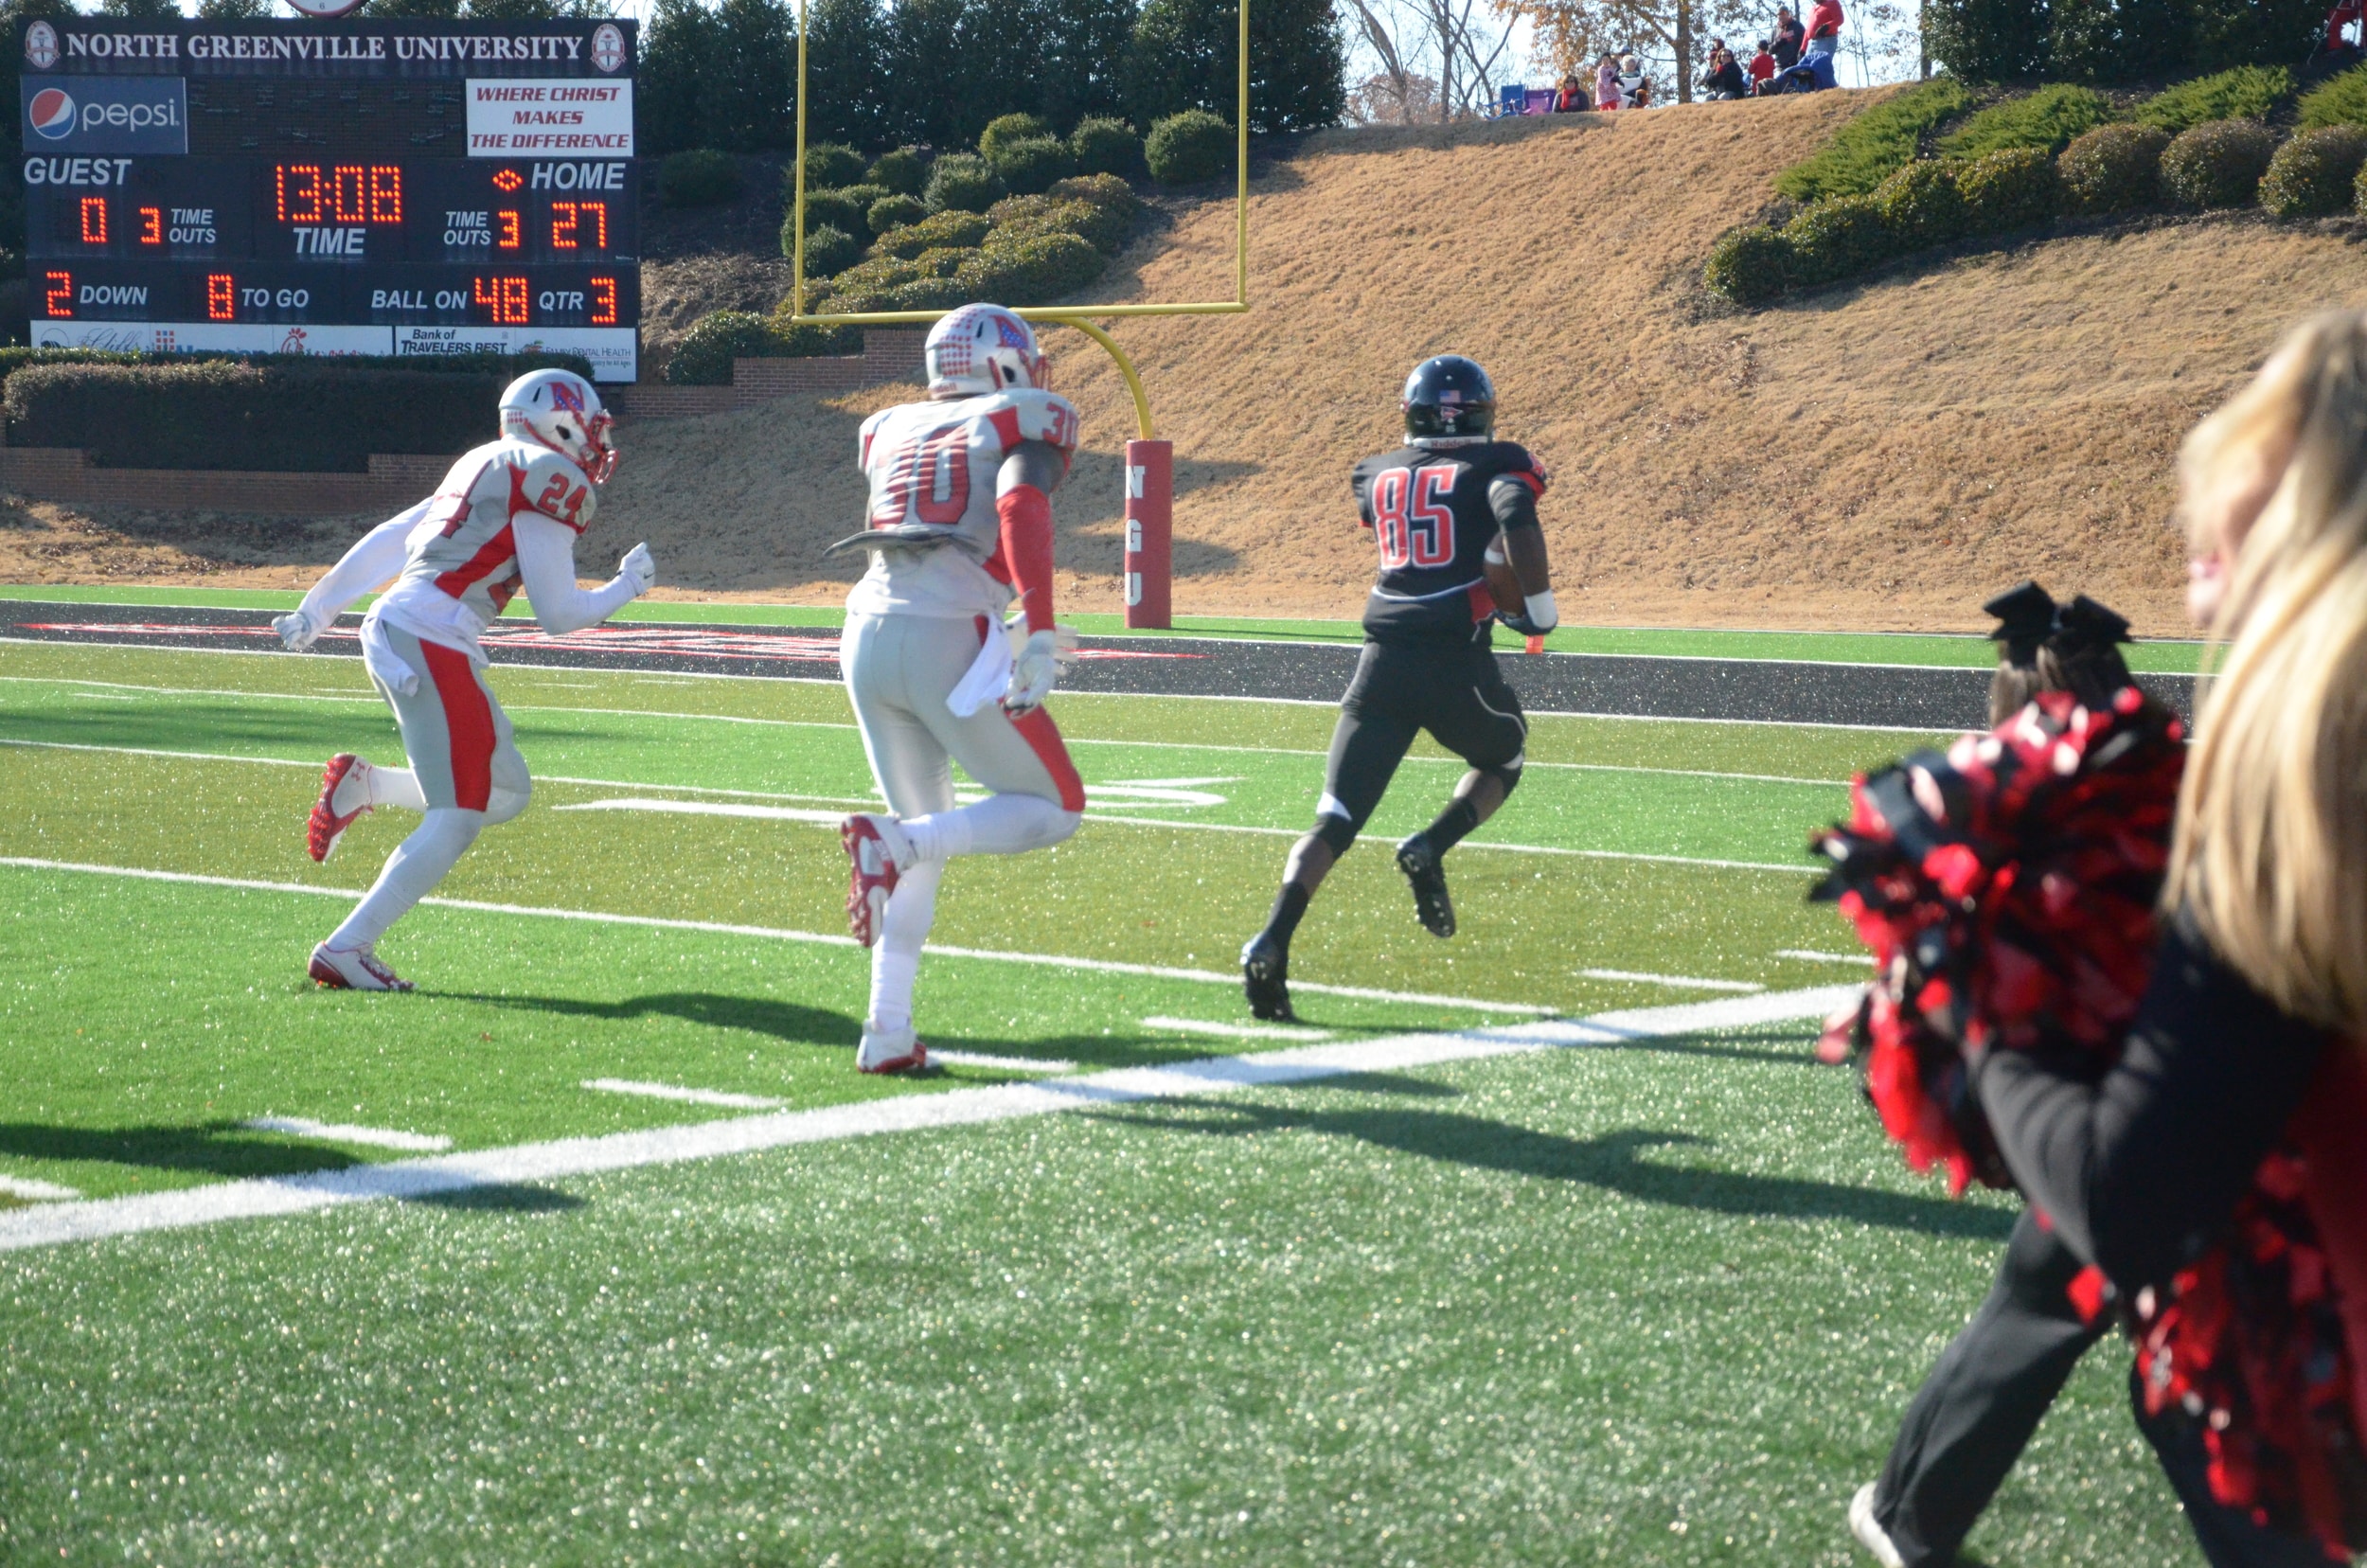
(689,808)
(820,939)
(1237,1031)
(816,724)
(1808,955)
(1680,982)
(564,1158)
(374,1137)
(35,1192)
(691,1097)
(1002,1063)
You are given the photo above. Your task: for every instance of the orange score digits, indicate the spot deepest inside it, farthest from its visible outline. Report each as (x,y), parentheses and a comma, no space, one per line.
(603,297)
(343,194)
(93,219)
(511,231)
(503,299)
(576,224)
(151,223)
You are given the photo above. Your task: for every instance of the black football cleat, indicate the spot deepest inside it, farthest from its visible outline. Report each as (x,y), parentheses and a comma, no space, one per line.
(1266,978)
(1420,863)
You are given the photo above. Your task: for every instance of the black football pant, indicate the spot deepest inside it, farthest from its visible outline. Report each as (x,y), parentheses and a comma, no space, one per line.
(1971,1417)
(1456,693)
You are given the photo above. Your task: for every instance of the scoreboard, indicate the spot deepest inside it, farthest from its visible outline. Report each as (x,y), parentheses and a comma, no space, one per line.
(247,209)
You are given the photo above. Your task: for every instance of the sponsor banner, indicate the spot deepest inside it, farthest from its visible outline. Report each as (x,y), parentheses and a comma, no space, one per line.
(135,115)
(614,351)
(171,45)
(553,118)
(192,337)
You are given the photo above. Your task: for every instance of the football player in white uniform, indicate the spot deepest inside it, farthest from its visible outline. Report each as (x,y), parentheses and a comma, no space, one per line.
(960,525)
(506,516)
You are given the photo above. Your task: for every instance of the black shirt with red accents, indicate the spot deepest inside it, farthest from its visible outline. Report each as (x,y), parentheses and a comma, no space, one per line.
(1433,508)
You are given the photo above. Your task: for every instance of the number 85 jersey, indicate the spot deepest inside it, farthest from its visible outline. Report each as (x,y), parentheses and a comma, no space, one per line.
(1434,508)
(931,524)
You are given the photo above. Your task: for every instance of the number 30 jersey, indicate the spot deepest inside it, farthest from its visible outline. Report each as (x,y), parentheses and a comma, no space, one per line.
(1434,508)
(462,564)
(933,468)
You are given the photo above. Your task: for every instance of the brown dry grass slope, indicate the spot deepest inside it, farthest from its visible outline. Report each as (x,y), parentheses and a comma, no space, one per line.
(1880,455)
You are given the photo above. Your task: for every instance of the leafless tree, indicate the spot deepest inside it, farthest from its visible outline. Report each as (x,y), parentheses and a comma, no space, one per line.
(1465,42)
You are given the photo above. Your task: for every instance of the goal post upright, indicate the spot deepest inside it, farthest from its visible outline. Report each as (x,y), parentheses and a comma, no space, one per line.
(1149,462)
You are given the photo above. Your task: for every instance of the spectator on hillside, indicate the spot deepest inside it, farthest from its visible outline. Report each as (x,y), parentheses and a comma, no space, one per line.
(1825,22)
(1635,88)
(1723,80)
(1762,67)
(1788,38)
(1571,98)
(1607,83)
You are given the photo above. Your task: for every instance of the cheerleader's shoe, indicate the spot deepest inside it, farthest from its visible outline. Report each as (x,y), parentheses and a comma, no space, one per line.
(1869,1530)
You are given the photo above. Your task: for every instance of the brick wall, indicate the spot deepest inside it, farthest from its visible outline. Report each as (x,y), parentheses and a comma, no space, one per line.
(888,355)
(64,473)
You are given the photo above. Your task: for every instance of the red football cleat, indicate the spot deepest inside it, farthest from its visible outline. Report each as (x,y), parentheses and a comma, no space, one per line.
(891,1051)
(871,875)
(325,826)
(353,969)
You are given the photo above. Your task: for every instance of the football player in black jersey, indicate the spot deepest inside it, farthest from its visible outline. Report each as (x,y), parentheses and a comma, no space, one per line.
(1434,505)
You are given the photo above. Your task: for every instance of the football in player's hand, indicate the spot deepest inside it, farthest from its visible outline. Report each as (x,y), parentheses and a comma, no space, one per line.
(1504,583)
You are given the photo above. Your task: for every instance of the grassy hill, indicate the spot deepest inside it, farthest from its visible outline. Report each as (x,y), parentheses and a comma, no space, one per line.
(1878,455)
(1883,455)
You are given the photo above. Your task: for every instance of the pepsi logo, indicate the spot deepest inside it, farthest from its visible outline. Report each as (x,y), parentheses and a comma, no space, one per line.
(41,45)
(51,114)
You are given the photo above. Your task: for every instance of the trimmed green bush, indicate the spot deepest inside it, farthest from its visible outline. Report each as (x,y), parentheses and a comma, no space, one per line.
(1036,269)
(831,164)
(963,182)
(895,212)
(1920,206)
(951,227)
(1749,265)
(2313,175)
(1192,148)
(1006,129)
(1113,199)
(2217,163)
(1017,215)
(905,171)
(2049,118)
(2339,101)
(701,177)
(1102,146)
(2014,188)
(1839,238)
(2247,92)
(847,209)
(829,250)
(707,351)
(1866,149)
(2113,168)
(704,356)
(1029,166)
(221,415)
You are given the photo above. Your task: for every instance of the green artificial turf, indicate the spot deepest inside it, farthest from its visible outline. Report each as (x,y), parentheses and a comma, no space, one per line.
(1659,1303)
(1650,1306)
(1873,647)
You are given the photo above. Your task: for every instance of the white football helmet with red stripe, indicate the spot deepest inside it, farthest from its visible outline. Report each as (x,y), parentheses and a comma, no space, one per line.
(982,348)
(558,409)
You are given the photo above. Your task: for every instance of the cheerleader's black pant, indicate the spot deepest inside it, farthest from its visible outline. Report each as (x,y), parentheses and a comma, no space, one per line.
(1971,1417)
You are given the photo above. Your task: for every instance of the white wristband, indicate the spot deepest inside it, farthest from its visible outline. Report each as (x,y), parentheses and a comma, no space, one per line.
(1539,610)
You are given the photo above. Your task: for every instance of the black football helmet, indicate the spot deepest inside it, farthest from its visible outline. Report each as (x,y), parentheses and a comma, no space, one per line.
(1450,397)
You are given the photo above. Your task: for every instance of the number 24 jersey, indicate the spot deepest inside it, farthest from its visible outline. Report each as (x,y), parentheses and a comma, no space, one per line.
(1433,510)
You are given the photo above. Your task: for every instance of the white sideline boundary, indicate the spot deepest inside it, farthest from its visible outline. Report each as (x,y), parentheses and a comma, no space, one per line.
(55,1224)
(776,934)
(1069,696)
(831,818)
(372,1137)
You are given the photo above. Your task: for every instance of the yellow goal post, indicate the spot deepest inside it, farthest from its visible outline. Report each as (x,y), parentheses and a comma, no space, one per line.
(1080,317)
